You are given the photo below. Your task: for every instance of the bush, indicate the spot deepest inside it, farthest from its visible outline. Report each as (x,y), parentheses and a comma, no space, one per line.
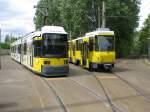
(5,46)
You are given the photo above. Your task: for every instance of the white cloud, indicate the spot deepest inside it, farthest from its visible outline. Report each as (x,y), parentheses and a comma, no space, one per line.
(17,16)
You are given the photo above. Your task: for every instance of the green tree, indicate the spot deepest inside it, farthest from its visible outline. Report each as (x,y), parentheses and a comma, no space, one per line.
(9,39)
(144,35)
(4,45)
(123,19)
(80,16)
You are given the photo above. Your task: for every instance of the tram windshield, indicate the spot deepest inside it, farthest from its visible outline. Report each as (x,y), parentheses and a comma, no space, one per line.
(54,45)
(104,43)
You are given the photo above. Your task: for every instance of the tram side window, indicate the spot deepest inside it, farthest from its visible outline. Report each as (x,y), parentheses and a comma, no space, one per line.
(69,46)
(19,48)
(25,48)
(14,49)
(77,45)
(37,48)
(80,45)
(74,47)
(96,44)
(91,43)
(11,50)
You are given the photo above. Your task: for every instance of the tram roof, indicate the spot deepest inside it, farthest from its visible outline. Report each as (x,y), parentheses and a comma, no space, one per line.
(53,29)
(44,29)
(99,32)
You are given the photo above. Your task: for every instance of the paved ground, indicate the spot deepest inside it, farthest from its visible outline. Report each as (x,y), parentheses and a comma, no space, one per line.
(125,90)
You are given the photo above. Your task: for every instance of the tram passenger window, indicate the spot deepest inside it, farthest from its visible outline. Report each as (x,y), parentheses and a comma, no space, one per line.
(91,47)
(19,48)
(37,48)
(25,48)
(11,49)
(80,45)
(69,45)
(74,49)
(14,49)
(77,45)
(37,52)
(96,44)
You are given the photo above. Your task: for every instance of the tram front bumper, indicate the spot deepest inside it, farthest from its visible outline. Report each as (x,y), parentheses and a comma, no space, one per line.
(54,71)
(97,65)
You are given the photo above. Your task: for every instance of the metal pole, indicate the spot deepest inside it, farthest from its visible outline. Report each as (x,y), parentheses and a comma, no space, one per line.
(103,14)
(99,17)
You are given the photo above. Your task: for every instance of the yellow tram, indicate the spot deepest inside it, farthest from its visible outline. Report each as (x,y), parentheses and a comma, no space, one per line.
(96,49)
(44,51)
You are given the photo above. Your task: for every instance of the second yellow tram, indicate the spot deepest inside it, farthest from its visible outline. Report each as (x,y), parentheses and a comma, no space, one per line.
(94,50)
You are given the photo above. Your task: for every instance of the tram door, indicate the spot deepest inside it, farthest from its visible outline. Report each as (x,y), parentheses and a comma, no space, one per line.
(85,50)
(22,52)
(31,55)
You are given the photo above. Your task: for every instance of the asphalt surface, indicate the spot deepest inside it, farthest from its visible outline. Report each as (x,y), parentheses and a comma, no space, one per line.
(127,89)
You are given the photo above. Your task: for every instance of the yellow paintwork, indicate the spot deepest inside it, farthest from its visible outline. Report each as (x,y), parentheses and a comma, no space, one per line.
(38,62)
(102,57)
(78,55)
(74,55)
(86,39)
(106,33)
(93,56)
(38,38)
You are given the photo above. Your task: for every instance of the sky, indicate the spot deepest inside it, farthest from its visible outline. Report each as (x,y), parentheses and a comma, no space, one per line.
(144,11)
(16,16)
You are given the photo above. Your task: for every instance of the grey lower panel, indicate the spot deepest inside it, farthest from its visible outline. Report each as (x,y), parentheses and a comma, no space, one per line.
(55,71)
(96,65)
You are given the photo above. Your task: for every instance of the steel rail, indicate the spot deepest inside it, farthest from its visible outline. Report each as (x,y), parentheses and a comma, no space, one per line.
(137,89)
(56,95)
(107,100)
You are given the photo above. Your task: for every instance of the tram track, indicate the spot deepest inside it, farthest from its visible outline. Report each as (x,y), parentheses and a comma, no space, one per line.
(107,101)
(63,108)
(58,99)
(100,98)
(137,89)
